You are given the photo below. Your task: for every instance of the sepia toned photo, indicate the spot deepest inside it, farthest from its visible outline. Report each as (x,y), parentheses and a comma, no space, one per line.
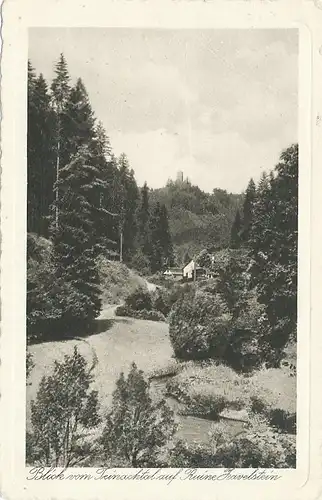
(162,243)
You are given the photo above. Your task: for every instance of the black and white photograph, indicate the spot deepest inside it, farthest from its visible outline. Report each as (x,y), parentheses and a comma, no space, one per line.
(162,248)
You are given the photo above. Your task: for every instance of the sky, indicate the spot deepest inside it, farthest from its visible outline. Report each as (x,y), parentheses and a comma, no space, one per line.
(219,105)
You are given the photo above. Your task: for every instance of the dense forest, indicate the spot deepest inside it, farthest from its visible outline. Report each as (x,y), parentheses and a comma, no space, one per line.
(232,335)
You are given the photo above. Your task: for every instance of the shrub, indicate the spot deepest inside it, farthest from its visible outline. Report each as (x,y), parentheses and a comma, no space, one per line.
(138,300)
(163,299)
(136,428)
(141,263)
(124,311)
(62,414)
(29,364)
(190,455)
(259,447)
(199,326)
(151,315)
(206,390)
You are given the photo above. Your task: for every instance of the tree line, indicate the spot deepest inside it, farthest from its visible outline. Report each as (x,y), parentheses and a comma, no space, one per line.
(268,228)
(84,199)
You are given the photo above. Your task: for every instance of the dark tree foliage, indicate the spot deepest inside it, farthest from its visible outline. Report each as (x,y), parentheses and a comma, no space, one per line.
(274,246)
(197,219)
(235,235)
(102,159)
(161,244)
(143,222)
(60,92)
(76,239)
(63,412)
(41,153)
(128,204)
(79,120)
(248,211)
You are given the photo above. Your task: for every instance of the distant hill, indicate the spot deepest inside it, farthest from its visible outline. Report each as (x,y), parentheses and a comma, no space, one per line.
(197,219)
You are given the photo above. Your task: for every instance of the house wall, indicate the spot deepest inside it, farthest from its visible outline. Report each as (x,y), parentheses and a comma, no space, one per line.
(188,270)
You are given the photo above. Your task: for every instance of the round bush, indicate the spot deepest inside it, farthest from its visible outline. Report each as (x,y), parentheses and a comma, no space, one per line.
(123,311)
(151,315)
(199,326)
(138,300)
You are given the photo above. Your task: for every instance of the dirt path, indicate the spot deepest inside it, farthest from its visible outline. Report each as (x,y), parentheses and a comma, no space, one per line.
(115,344)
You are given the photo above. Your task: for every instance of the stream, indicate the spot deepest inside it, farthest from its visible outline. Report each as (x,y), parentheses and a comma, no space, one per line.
(191,428)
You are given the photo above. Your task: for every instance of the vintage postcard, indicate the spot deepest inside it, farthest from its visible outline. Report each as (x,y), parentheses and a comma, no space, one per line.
(159,250)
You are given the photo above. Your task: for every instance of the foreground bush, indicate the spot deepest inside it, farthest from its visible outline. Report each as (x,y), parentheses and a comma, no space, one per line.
(136,428)
(63,413)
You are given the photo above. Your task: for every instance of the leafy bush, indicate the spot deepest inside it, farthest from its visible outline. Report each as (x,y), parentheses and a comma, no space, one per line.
(138,300)
(141,263)
(124,311)
(151,315)
(136,428)
(190,455)
(199,326)
(62,414)
(163,299)
(29,364)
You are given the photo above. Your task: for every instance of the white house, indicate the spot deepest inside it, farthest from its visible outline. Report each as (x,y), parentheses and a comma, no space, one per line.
(190,269)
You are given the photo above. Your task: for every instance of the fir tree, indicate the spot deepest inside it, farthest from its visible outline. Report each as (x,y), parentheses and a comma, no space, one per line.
(235,238)
(60,90)
(128,204)
(161,245)
(76,240)
(274,248)
(41,154)
(165,237)
(143,221)
(102,159)
(79,120)
(136,428)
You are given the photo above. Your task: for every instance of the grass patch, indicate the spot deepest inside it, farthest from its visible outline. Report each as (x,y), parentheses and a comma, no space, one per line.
(117,281)
(206,389)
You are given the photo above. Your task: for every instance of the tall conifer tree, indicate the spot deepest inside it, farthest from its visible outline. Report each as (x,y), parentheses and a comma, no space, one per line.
(76,241)
(128,199)
(60,89)
(235,238)
(248,211)
(41,155)
(161,245)
(143,221)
